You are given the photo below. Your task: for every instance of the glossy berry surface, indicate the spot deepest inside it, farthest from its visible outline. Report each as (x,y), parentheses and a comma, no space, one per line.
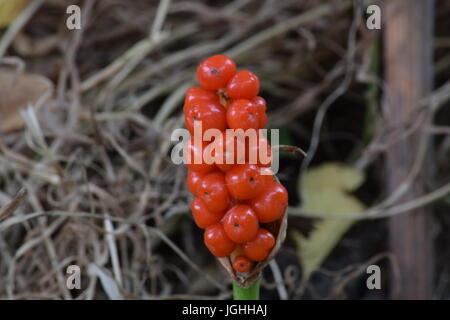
(259,248)
(204,217)
(215,72)
(242,114)
(211,114)
(240,223)
(243,85)
(233,198)
(228,152)
(193,180)
(268,175)
(193,157)
(242,264)
(213,191)
(217,241)
(259,151)
(244,181)
(271,203)
(196,94)
(260,104)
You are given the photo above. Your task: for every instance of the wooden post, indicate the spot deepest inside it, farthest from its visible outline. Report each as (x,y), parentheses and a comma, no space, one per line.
(408,48)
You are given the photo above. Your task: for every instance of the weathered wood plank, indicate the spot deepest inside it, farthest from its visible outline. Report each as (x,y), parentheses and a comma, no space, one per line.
(408,36)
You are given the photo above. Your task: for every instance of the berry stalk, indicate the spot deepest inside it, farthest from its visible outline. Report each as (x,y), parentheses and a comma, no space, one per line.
(250,293)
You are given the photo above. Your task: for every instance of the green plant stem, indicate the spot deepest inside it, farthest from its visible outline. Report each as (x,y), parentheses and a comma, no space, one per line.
(250,293)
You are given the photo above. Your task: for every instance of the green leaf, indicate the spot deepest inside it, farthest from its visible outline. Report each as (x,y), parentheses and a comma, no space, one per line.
(286,137)
(287,140)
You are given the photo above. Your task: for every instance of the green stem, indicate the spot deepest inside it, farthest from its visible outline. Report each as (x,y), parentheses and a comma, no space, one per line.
(250,293)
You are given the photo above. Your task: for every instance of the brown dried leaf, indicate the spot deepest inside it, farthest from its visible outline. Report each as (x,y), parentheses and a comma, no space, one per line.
(17,91)
(9,208)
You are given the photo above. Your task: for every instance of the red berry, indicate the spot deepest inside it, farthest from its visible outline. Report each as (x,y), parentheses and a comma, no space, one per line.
(212,115)
(242,264)
(213,191)
(215,72)
(193,181)
(245,181)
(228,152)
(250,196)
(259,248)
(268,175)
(193,156)
(203,217)
(242,114)
(217,241)
(196,94)
(259,151)
(271,203)
(260,104)
(240,223)
(244,85)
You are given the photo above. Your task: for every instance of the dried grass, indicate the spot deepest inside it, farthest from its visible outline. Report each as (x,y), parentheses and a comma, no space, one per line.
(101,190)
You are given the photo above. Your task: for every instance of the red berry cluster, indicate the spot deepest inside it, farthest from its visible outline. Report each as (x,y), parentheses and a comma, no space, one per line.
(233,202)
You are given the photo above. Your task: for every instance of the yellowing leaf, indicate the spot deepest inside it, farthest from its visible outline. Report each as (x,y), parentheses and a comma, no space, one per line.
(333,176)
(324,191)
(17,91)
(9,10)
(333,202)
(320,243)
